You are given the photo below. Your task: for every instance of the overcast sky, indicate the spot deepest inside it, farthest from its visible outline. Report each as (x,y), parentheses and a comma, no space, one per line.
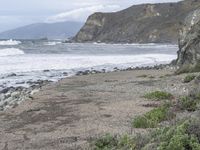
(15,13)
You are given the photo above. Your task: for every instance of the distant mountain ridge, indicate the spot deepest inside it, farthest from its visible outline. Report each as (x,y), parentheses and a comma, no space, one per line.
(146,23)
(60,30)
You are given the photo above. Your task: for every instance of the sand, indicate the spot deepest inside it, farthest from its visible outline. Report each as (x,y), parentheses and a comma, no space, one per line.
(67,114)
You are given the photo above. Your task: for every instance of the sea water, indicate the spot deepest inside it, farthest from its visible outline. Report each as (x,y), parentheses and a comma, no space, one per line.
(32,60)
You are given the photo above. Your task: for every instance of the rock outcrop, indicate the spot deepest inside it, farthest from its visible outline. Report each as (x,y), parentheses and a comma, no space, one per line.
(189,44)
(138,24)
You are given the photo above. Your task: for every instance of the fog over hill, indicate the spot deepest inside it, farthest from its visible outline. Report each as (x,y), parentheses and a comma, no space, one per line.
(60,30)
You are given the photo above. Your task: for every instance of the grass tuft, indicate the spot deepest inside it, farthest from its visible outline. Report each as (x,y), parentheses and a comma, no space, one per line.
(151,119)
(159,95)
(176,137)
(109,142)
(189,78)
(187,103)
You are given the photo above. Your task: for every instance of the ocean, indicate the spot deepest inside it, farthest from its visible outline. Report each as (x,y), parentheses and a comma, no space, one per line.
(27,61)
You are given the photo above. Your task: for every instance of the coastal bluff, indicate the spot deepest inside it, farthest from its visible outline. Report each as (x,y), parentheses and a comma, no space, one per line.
(146,23)
(189,44)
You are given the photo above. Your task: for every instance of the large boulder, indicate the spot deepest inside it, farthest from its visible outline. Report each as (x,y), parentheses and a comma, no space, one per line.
(189,44)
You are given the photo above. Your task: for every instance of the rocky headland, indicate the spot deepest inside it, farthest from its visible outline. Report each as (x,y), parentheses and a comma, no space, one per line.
(146,23)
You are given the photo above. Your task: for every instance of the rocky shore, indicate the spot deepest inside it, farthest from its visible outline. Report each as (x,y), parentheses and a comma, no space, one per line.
(116,69)
(142,108)
(10,97)
(67,114)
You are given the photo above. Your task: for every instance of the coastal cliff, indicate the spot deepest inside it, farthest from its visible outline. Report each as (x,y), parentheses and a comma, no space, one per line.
(146,23)
(189,44)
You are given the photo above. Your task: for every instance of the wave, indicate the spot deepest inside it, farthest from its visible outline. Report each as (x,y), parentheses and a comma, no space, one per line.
(52,43)
(10,52)
(10,42)
(35,62)
(31,67)
(140,45)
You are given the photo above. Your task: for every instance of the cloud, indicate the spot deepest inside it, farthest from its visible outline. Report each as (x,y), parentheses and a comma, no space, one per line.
(15,13)
(81,14)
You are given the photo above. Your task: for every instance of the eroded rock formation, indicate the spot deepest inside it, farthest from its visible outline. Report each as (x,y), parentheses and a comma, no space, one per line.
(189,44)
(145,23)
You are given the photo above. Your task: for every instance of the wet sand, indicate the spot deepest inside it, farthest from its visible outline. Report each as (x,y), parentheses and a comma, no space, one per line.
(67,114)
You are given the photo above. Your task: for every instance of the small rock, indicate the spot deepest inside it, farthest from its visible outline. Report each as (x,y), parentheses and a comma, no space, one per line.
(46,70)
(15,94)
(12,75)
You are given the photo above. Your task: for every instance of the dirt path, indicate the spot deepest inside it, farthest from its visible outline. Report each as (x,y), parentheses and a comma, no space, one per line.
(65,115)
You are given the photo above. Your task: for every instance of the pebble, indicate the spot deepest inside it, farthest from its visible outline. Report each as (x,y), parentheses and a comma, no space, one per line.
(11,96)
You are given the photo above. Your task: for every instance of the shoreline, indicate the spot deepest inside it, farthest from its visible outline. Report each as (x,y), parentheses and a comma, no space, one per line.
(11,97)
(67,114)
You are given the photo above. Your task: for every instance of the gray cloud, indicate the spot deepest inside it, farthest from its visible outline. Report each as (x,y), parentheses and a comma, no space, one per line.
(81,14)
(14,13)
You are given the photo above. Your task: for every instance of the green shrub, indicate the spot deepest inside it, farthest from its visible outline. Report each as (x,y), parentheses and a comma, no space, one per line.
(189,78)
(158,95)
(141,122)
(126,142)
(151,119)
(176,138)
(105,142)
(187,103)
(194,128)
(184,135)
(109,142)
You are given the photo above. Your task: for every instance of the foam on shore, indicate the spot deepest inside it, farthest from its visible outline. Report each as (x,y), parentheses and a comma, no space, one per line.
(10,52)
(9,42)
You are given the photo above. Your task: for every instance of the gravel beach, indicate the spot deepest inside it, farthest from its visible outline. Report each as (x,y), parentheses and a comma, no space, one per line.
(67,114)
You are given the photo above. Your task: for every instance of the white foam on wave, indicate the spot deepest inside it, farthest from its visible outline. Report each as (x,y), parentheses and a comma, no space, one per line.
(30,67)
(10,52)
(52,43)
(39,62)
(9,42)
(145,45)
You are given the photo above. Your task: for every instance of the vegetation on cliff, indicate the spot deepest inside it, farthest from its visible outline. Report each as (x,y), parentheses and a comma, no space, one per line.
(144,23)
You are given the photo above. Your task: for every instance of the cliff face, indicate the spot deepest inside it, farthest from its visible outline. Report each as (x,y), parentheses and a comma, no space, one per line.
(138,24)
(189,44)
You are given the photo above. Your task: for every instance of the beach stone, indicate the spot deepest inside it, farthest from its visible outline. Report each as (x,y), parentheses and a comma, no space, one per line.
(12,75)
(2,97)
(34,91)
(5,90)
(103,70)
(15,94)
(46,70)
(7,95)
(65,73)
(11,96)
(20,82)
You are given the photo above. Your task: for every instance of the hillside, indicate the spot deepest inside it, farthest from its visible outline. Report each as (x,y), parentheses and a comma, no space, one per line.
(59,30)
(144,23)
